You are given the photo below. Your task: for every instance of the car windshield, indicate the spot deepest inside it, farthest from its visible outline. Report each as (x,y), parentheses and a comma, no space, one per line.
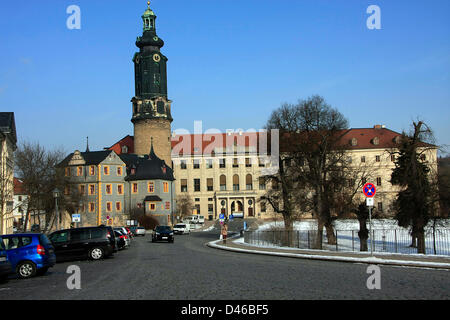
(141,228)
(180,226)
(163,228)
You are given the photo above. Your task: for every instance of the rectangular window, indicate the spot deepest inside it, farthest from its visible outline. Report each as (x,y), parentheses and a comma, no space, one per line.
(91,189)
(108,206)
(135,188)
(184,185)
(183,164)
(363,159)
(196,163)
(248,164)
(119,189)
(119,171)
(91,206)
(380,206)
(260,163)
(151,187)
(82,189)
(263,207)
(166,187)
(108,189)
(152,206)
(222,163)
(378,181)
(196,185)
(210,208)
(67,172)
(167,205)
(392,157)
(197,208)
(377,158)
(92,170)
(210,184)
(79,171)
(106,170)
(209,164)
(235,163)
(118,206)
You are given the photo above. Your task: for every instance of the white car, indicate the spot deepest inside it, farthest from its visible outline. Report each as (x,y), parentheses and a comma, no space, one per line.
(201,219)
(181,228)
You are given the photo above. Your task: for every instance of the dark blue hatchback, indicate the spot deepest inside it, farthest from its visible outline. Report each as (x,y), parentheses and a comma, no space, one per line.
(29,254)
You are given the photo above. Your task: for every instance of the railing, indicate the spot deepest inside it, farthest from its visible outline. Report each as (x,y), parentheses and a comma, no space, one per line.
(389,241)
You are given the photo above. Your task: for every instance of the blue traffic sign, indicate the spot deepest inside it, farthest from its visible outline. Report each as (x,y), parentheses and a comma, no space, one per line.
(231,217)
(221,216)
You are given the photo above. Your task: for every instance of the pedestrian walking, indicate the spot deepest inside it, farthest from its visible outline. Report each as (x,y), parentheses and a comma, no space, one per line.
(224,232)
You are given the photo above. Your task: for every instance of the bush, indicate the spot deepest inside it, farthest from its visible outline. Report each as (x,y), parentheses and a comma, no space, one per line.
(148,222)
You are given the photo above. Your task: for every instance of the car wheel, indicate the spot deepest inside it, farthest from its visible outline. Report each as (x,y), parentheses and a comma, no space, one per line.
(42,271)
(96,253)
(26,269)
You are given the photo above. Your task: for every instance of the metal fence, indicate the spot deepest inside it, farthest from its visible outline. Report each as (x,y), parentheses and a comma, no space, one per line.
(390,241)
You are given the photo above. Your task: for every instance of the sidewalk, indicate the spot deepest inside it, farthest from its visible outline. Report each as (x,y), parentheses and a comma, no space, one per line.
(422,261)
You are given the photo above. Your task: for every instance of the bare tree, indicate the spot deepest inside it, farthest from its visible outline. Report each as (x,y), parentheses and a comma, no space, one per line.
(184,206)
(36,167)
(6,191)
(310,145)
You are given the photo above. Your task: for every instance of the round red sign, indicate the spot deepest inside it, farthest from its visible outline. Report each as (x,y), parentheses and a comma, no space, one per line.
(369,190)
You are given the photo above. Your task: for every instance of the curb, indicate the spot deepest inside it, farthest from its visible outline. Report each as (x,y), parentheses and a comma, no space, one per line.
(369,260)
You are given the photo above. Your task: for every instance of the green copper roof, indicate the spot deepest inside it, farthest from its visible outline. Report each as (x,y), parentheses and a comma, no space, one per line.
(149,11)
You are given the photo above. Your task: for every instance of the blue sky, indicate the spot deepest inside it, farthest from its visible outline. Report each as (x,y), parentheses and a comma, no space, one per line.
(231,62)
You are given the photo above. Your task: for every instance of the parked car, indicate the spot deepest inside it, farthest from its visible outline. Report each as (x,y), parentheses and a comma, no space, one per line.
(5,265)
(162,233)
(130,234)
(182,228)
(140,231)
(89,242)
(121,244)
(201,219)
(125,231)
(125,234)
(29,254)
(191,220)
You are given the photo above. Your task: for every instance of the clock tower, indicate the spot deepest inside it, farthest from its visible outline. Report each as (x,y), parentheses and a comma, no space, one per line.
(151,107)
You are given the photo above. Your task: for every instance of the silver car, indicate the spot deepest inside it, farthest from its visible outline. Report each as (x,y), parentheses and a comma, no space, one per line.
(140,231)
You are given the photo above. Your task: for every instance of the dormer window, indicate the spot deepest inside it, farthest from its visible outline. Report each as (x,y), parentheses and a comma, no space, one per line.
(397,139)
(376,141)
(124,149)
(354,142)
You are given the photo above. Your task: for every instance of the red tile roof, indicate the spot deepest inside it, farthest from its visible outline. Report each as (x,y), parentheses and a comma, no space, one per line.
(18,187)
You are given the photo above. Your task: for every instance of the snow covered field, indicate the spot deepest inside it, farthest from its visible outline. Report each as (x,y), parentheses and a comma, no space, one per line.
(388,236)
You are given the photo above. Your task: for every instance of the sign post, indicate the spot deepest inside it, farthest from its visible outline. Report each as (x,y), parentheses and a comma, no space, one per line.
(76,218)
(369,191)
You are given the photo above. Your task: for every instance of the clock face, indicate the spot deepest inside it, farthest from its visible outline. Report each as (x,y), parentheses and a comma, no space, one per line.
(155,38)
(156,57)
(137,59)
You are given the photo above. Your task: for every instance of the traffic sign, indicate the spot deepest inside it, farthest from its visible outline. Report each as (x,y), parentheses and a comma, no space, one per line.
(369,190)
(76,217)
(369,202)
(221,216)
(231,217)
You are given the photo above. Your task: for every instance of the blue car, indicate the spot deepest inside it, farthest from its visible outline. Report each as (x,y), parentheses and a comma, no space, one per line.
(5,265)
(29,254)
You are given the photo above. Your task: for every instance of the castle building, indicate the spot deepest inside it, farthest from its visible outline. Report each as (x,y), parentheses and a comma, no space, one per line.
(135,174)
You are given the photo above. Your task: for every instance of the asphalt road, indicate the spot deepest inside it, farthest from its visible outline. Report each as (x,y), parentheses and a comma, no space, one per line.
(188,270)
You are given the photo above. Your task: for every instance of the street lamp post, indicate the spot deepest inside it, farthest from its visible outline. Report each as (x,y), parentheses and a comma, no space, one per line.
(56,195)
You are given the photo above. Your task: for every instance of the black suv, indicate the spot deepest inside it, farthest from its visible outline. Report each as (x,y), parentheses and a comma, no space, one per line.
(162,233)
(89,242)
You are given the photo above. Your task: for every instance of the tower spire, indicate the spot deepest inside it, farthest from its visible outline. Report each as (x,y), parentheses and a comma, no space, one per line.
(87,144)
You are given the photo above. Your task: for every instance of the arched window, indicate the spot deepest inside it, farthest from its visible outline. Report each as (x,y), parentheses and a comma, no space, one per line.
(236,182)
(249,182)
(223,182)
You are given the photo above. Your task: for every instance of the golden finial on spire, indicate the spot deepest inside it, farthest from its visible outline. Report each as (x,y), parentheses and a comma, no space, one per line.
(148,4)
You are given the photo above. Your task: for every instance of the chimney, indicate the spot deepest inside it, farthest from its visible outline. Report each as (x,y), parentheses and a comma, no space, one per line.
(377,126)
